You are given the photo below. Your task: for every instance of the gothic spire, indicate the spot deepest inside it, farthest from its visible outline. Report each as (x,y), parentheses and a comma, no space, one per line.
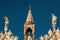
(29,17)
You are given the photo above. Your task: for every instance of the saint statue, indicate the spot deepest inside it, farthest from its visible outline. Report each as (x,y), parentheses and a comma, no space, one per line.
(6,20)
(6,24)
(54,18)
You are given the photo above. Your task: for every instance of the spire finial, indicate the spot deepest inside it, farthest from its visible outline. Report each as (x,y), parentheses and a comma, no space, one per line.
(30,6)
(30,17)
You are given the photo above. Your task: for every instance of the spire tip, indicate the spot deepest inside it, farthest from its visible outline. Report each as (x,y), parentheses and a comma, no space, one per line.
(30,6)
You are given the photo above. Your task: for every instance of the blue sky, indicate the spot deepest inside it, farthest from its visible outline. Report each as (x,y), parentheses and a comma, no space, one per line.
(17,11)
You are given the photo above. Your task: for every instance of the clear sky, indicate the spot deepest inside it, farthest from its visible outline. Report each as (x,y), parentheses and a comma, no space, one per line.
(17,11)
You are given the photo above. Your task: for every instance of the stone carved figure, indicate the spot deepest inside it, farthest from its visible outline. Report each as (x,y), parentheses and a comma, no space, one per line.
(54,18)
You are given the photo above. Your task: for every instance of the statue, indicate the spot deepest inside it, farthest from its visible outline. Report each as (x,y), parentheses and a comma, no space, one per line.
(6,24)
(54,18)
(6,20)
(29,38)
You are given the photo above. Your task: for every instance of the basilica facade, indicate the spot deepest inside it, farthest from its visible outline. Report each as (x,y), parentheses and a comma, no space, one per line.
(29,29)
